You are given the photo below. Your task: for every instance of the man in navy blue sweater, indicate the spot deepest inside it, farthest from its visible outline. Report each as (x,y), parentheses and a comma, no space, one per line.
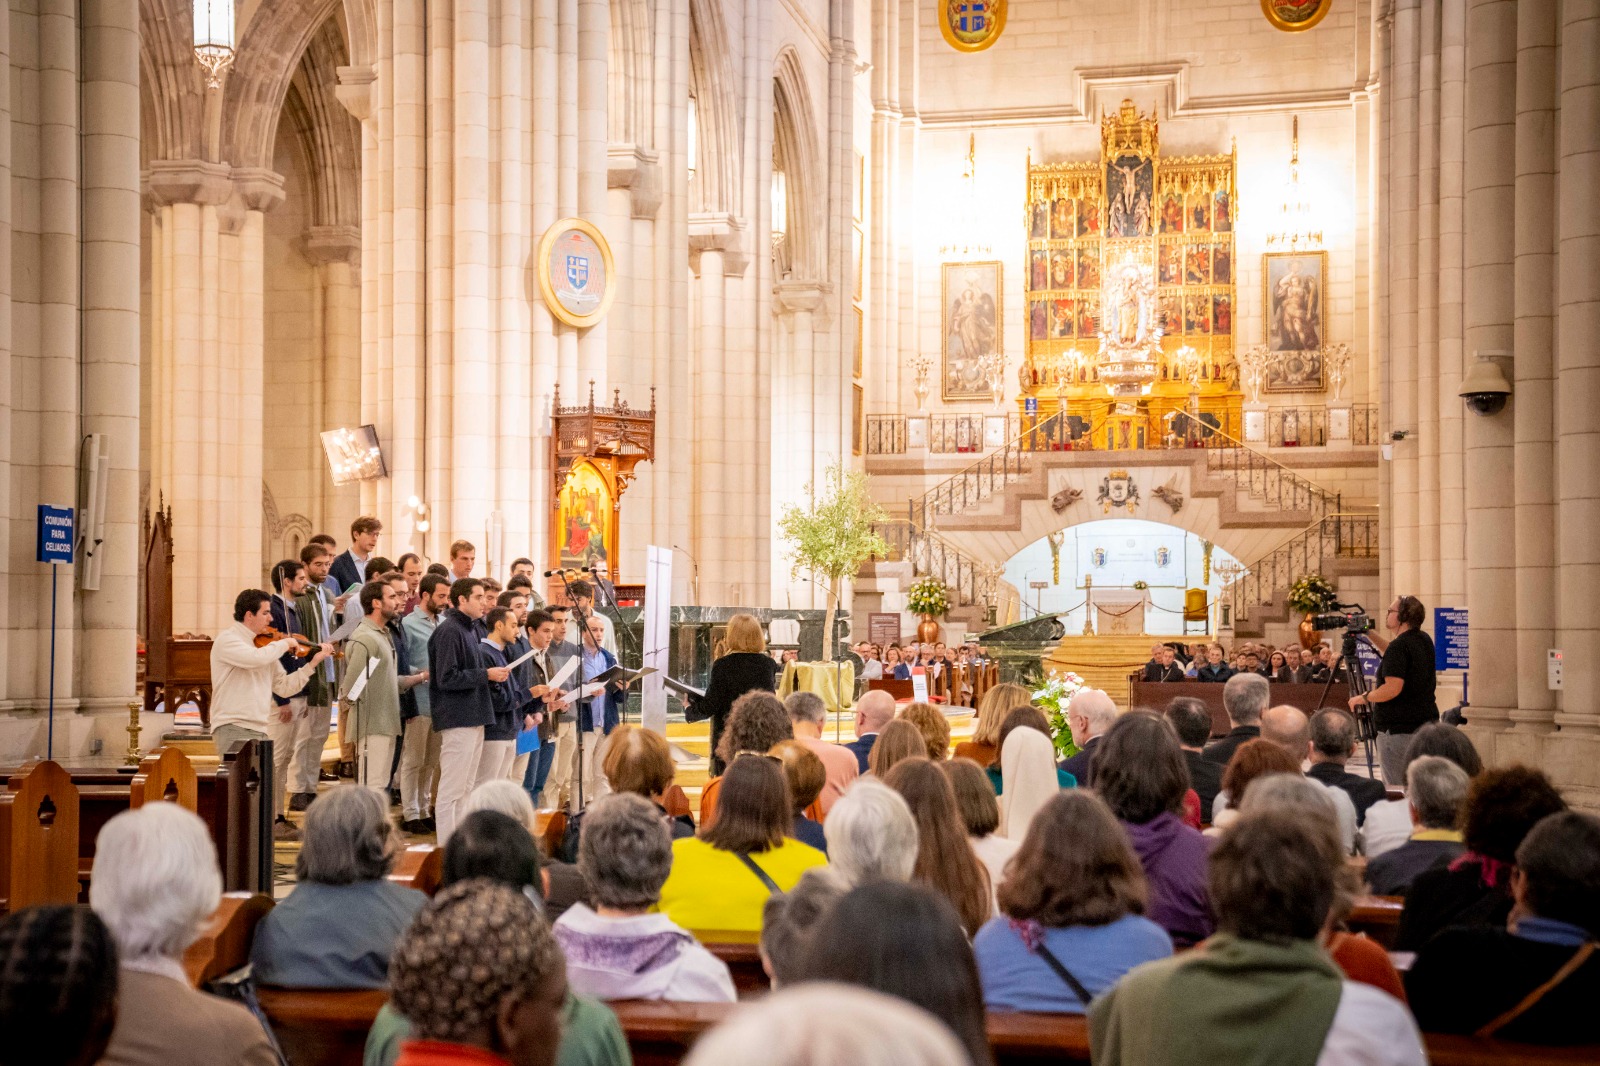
(460,696)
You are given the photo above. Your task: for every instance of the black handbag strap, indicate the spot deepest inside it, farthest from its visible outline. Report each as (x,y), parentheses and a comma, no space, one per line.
(772,886)
(1065,974)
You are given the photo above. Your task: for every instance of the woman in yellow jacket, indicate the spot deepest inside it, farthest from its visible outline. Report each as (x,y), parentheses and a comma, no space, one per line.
(721,879)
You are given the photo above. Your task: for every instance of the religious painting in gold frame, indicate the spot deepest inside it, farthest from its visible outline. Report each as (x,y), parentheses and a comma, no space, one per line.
(971,25)
(586,518)
(1294,16)
(971,327)
(1294,306)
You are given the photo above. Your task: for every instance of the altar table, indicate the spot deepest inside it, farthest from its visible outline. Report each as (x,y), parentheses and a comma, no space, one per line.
(825,679)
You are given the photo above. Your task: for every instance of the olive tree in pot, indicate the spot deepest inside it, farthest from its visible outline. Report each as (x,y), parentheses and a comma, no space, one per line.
(833,534)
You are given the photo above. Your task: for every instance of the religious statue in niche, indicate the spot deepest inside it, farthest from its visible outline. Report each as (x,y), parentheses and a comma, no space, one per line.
(1118,493)
(1295,303)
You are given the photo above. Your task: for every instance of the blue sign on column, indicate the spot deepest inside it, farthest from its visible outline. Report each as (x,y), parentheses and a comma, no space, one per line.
(1450,638)
(55,534)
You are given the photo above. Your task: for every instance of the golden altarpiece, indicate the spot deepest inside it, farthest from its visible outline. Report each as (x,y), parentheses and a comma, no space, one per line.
(1130,292)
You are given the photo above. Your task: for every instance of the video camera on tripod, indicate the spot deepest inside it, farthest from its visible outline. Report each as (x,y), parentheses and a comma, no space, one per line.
(1351,617)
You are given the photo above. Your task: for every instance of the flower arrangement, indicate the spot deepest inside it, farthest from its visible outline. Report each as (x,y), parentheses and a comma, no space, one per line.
(1058,689)
(929,597)
(1141,585)
(1312,594)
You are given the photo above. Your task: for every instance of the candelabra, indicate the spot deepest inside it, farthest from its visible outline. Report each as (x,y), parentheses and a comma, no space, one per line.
(993,369)
(133,728)
(1253,366)
(920,386)
(1336,361)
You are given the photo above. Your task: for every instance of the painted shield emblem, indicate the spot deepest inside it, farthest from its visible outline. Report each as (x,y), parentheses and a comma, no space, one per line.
(577,271)
(1163,556)
(1099,556)
(972,25)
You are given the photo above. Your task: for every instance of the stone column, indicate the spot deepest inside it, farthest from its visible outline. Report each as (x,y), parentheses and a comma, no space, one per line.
(1488,251)
(710,498)
(593,44)
(1451,536)
(798,421)
(6,394)
(1427,290)
(1401,381)
(1578,326)
(1533,332)
(336,253)
(207,378)
(110,323)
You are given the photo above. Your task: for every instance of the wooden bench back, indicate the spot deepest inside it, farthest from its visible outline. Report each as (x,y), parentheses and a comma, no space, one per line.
(421,866)
(224,942)
(39,839)
(165,774)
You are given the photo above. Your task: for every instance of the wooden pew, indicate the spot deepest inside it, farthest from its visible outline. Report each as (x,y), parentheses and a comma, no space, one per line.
(321,1028)
(420,867)
(224,942)
(39,839)
(1156,696)
(661,1034)
(164,774)
(1378,917)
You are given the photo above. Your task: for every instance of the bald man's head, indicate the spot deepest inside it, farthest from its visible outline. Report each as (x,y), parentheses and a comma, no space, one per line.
(1287,727)
(873,711)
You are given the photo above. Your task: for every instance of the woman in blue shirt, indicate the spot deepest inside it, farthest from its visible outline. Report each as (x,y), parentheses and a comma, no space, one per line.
(1071,913)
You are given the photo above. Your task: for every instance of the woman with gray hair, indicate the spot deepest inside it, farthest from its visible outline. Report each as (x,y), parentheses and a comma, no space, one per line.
(619,949)
(155,882)
(339,925)
(871,835)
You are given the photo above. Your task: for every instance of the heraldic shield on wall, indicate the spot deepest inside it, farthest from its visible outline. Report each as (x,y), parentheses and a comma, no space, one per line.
(1118,493)
(971,25)
(576,272)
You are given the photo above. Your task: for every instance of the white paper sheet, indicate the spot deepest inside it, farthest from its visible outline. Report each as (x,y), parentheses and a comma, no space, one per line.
(359,686)
(568,668)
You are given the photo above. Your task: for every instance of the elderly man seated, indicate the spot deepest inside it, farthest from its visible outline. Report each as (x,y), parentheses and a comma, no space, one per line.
(1436,788)
(155,882)
(1090,713)
(1289,728)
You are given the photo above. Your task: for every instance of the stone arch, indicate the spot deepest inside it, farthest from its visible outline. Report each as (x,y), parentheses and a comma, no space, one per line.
(794,148)
(329,135)
(172,101)
(268,56)
(715,88)
(630,116)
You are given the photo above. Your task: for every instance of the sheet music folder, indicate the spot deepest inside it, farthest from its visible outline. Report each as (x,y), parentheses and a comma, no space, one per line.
(681,689)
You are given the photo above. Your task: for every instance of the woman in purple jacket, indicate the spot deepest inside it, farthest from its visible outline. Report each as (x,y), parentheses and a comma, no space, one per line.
(1140,772)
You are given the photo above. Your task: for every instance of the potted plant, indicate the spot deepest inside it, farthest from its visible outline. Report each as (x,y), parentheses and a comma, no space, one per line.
(1311,595)
(931,599)
(833,535)
(1052,699)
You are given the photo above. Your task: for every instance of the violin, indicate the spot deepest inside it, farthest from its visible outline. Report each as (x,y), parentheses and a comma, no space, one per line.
(304,646)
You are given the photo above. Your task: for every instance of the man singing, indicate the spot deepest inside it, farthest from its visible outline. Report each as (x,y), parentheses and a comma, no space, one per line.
(460,696)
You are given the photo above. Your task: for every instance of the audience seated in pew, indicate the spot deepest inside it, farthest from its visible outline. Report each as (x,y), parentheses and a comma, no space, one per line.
(905,940)
(620,949)
(590,1035)
(993,706)
(829,1025)
(871,835)
(1024,716)
(636,760)
(1251,760)
(560,883)
(1191,720)
(757,721)
(1261,992)
(58,987)
(808,715)
(1361,958)
(1141,774)
(806,775)
(789,919)
(946,862)
(933,725)
(1071,913)
(980,817)
(721,878)
(155,883)
(338,926)
(1388,823)
(899,740)
(1435,790)
(1502,805)
(1538,979)
(1027,759)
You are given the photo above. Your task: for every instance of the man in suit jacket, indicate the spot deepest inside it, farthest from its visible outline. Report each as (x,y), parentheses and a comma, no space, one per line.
(1090,713)
(873,711)
(1244,695)
(350,569)
(1333,741)
(1152,669)
(1192,721)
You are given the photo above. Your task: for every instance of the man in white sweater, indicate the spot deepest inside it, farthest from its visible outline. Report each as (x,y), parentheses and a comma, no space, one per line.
(243,680)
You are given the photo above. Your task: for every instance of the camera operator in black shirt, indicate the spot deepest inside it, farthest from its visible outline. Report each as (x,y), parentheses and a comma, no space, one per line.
(1403,700)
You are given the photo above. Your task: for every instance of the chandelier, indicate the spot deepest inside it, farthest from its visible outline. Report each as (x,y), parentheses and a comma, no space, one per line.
(1296,220)
(213,38)
(1130,331)
(965,238)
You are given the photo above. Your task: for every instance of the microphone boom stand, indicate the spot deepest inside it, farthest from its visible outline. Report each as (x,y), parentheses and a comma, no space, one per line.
(575,802)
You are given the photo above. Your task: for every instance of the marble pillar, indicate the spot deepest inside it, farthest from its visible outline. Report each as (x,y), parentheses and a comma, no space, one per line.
(1450,545)
(1400,384)
(1488,254)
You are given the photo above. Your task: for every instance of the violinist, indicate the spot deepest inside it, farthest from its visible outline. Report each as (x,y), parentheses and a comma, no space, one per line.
(244,680)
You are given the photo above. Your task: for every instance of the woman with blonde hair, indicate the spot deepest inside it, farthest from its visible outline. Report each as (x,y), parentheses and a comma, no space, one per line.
(899,740)
(933,725)
(744,666)
(984,747)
